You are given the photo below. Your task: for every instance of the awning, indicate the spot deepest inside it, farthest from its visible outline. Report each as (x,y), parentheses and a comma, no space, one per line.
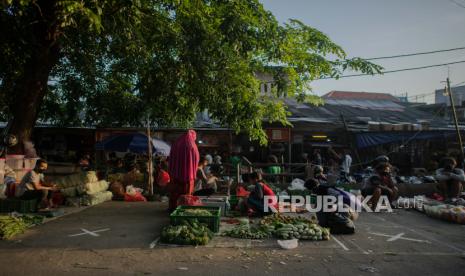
(365,140)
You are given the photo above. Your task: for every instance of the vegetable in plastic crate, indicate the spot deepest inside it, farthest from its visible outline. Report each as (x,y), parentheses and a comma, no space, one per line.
(195,212)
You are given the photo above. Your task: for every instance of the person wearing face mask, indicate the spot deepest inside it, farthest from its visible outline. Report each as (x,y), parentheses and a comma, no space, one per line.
(33,186)
(450,179)
(381,184)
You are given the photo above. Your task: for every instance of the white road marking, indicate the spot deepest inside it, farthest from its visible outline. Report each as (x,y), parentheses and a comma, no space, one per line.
(154,243)
(340,243)
(398,237)
(462,251)
(359,248)
(91,233)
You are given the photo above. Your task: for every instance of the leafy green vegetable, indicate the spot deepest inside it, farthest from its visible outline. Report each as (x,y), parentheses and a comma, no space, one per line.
(11,226)
(191,232)
(244,231)
(195,212)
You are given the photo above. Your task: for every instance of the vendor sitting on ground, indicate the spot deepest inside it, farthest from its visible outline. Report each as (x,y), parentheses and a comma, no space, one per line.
(318,174)
(9,180)
(380,184)
(32,186)
(339,222)
(450,179)
(256,200)
(204,185)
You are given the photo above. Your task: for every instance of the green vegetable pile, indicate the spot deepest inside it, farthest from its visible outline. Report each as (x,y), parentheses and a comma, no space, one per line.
(301,230)
(11,226)
(281,227)
(244,231)
(32,220)
(195,212)
(191,232)
(280,218)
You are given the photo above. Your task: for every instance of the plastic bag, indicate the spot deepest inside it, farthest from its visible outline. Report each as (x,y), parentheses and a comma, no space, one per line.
(130,190)
(135,197)
(297,184)
(189,200)
(163,178)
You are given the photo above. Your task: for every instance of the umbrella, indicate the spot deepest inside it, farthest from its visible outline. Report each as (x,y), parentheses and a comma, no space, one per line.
(135,142)
(161,147)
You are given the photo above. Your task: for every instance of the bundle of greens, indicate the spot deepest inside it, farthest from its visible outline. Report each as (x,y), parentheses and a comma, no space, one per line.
(244,231)
(11,226)
(191,232)
(31,220)
(280,218)
(301,230)
(281,227)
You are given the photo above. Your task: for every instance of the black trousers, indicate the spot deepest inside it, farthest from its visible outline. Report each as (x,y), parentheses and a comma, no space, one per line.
(36,194)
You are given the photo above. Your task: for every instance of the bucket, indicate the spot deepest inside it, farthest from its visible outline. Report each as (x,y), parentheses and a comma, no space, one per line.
(15,161)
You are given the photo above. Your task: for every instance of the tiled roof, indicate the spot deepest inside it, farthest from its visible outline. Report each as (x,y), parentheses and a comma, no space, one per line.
(350,95)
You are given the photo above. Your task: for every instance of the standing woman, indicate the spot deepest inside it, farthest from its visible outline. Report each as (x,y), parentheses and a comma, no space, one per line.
(183,163)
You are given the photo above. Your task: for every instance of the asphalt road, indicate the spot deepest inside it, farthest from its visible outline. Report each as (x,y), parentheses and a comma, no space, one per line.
(118,238)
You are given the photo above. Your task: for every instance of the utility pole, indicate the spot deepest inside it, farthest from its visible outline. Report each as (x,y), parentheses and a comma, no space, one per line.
(454,114)
(352,144)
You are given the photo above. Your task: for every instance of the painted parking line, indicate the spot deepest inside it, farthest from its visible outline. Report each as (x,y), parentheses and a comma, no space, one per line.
(90,233)
(399,236)
(154,243)
(363,251)
(340,243)
(428,237)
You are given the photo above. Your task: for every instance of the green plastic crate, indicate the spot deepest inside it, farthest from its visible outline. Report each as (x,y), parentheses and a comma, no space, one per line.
(213,222)
(18,205)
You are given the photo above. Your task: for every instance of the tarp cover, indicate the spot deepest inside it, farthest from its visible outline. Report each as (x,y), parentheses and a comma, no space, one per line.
(365,140)
(135,142)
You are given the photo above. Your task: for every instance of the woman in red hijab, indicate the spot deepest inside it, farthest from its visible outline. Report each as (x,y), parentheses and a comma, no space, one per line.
(183,163)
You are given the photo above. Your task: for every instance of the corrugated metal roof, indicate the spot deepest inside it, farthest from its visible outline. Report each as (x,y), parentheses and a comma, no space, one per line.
(358,116)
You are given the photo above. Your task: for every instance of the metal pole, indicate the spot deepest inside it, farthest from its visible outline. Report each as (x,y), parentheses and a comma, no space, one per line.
(149,163)
(459,137)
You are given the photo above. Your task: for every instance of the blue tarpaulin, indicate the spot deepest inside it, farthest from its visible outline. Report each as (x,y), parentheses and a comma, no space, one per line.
(136,142)
(365,140)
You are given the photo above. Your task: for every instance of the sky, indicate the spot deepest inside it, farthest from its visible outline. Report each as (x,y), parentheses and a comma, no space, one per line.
(375,28)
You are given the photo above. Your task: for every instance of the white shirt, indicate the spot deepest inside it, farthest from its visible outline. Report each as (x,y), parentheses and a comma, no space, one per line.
(346,163)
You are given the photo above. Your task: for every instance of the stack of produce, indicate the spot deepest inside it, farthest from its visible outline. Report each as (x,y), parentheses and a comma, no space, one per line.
(245,231)
(74,184)
(190,232)
(301,230)
(281,227)
(447,212)
(96,193)
(115,177)
(11,226)
(280,218)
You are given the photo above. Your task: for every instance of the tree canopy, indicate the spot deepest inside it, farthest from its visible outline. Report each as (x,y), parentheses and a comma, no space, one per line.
(118,62)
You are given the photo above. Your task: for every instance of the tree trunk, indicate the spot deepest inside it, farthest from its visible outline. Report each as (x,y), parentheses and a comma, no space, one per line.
(31,88)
